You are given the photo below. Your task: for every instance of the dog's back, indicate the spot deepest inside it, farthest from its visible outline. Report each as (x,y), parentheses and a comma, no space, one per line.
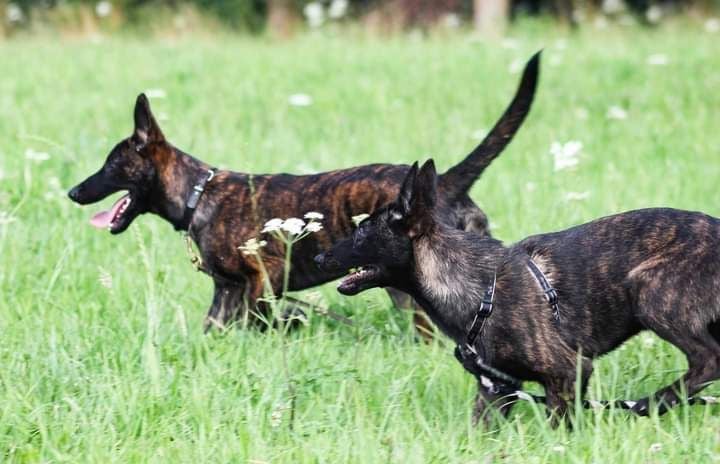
(625,272)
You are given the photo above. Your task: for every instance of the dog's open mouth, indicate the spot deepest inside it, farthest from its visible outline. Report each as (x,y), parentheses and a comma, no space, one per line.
(360,279)
(113,217)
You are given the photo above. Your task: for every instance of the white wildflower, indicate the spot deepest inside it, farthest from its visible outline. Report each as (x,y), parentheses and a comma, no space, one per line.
(6,218)
(582,113)
(510,43)
(558,449)
(516,66)
(452,21)
(252,247)
(566,155)
(359,218)
(712,25)
(155,93)
(314,227)
(315,14)
(658,59)
(14,13)
(616,112)
(103,8)
(36,155)
(576,196)
(105,278)
(611,7)
(648,340)
(275,418)
(293,226)
(300,99)
(273,225)
(338,9)
(655,447)
(313,215)
(654,14)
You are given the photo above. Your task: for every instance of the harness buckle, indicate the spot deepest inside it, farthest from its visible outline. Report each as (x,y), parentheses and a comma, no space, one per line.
(486,307)
(552,296)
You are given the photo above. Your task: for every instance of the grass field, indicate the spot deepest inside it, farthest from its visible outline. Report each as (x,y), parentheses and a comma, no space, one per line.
(102,358)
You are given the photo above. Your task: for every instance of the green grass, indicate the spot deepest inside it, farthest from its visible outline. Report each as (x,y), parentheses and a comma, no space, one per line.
(124,374)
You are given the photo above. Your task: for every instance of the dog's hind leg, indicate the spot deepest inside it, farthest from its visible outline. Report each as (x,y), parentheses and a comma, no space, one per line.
(703,354)
(227,302)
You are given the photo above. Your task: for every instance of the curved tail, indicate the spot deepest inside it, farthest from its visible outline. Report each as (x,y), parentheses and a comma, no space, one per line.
(462,176)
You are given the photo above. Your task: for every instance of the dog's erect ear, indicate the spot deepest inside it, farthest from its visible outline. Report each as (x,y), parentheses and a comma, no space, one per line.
(419,216)
(146,128)
(406,191)
(424,194)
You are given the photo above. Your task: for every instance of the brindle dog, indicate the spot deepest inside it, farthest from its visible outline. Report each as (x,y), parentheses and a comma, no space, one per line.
(652,269)
(233,207)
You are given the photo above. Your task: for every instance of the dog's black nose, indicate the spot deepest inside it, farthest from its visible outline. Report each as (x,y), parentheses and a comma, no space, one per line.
(74,193)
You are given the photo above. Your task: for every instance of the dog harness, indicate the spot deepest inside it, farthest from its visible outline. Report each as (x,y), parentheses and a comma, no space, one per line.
(550,293)
(472,354)
(194,198)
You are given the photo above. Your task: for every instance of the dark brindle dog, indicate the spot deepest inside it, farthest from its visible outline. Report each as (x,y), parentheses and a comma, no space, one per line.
(652,269)
(221,210)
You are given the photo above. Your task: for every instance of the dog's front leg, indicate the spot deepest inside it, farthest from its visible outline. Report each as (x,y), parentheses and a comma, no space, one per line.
(493,399)
(227,300)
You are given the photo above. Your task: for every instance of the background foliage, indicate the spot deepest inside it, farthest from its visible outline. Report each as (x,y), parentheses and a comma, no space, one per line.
(258,15)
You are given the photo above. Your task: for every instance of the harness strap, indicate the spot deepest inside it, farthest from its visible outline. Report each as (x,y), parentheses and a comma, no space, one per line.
(194,198)
(481,315)
(550,293)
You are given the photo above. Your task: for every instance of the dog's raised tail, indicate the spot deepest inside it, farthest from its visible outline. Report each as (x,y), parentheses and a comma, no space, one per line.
(462,176)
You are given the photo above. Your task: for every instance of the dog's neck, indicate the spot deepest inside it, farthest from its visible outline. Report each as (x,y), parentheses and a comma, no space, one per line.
(452,271)
(177,174)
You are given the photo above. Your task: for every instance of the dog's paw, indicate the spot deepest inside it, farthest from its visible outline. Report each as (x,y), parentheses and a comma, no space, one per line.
(641,407)
(293,317)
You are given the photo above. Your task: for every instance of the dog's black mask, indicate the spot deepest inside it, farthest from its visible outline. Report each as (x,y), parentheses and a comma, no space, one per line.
(380,250)
(127,167)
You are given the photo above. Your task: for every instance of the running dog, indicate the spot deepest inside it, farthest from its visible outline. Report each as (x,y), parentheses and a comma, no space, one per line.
(544,308)
(221,210)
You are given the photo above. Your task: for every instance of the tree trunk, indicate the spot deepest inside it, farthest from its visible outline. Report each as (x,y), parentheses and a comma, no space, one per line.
(491,16)
(282,18)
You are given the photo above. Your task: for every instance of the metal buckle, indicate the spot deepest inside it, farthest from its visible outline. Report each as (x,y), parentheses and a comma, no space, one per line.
(551,295)
(486,307)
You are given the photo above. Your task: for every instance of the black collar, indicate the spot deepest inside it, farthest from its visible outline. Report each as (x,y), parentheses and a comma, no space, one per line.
(194,198)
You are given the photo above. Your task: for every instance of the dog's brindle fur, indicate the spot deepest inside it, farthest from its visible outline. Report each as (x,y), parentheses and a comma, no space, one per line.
(652,269)
(234,206)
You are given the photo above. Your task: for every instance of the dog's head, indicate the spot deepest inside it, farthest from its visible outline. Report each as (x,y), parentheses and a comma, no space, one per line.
(380,250)
(129,167)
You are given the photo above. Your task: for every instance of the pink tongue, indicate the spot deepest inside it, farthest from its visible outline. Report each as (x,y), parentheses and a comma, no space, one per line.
(104,218)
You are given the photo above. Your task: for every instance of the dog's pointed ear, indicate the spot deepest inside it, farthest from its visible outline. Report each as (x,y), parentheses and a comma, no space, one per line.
(147,129)
(406,191)
(424,194)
